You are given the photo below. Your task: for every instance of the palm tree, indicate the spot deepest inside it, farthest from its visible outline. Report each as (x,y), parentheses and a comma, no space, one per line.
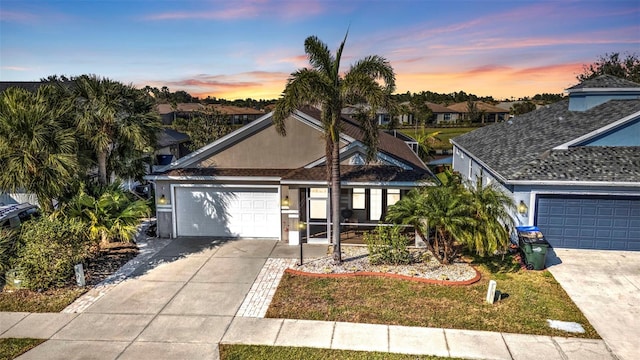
(113,118)
(323,85)
(38,153)
(108,212)
(491,210)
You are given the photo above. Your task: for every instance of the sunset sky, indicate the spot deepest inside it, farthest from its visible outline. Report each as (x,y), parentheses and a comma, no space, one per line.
(240,49)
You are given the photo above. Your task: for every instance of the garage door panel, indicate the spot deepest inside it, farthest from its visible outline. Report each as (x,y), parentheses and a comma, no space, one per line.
(590,222)
(227,212)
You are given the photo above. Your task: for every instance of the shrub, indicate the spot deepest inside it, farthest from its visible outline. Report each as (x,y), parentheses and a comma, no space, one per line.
(387,246)
(8,242)
(47,251)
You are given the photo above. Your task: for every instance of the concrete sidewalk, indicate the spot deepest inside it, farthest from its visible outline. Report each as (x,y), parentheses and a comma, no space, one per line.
(189,295)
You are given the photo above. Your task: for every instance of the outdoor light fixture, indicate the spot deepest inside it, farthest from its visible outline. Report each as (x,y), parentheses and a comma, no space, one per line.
(522,208)
(301,225)
(285,201)
(162,200)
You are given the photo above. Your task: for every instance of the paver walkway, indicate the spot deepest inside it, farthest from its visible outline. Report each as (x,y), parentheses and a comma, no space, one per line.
(190,294)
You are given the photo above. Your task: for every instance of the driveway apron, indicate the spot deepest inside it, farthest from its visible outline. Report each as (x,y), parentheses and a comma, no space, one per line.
(605,285)
(178,305)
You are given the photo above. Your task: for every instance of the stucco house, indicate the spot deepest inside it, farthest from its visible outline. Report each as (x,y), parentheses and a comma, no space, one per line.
(572,168)
(254,183)
(489,112)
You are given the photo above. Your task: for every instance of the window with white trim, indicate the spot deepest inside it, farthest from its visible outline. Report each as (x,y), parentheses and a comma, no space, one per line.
(393,196)
(375,204)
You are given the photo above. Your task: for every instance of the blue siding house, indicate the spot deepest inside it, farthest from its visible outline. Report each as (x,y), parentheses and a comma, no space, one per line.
(572,168)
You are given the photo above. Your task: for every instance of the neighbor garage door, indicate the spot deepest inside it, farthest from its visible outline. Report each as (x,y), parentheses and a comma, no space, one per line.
(588,222)
(227,212)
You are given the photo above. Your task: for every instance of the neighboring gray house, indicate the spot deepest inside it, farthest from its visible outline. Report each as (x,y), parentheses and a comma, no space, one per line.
(572,168)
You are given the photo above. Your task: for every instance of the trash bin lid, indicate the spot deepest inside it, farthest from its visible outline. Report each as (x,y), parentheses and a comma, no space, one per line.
(527,228)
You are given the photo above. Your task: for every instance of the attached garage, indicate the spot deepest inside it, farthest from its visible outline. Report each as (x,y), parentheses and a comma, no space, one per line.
(590,222)
(245,212)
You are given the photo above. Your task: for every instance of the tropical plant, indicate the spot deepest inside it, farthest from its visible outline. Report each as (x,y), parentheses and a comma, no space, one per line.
(323,85)
(8,242)
(108,212)
(114,120)
(38,153)
(425,142)
(490,230)
(387,245)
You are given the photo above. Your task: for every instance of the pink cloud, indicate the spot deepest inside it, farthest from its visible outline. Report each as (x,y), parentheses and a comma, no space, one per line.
(18,16)
(15,68)
(246,10)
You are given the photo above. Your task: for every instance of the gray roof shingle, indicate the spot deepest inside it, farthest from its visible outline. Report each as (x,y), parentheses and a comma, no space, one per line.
(605,81)
(522,148)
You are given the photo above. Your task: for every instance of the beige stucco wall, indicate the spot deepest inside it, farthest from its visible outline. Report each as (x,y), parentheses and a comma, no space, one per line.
(267,149)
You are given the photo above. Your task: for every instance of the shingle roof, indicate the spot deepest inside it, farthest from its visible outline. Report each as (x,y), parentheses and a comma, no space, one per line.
(186,107)
(586,163)
(387,143)
(168,137)
(27,85)
(350,173)
(605,81)
(463,107)
(516,148)
(361,173)
(437,108)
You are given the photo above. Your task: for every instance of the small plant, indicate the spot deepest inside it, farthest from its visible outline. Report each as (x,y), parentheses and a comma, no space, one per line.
(8,242)
(47,251)
(388,246)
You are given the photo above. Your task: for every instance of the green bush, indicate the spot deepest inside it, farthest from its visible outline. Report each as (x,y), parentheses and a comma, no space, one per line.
(387,246)
(47,251)
(8,242)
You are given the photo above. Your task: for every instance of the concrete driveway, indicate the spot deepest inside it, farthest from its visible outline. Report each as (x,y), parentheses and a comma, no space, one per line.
(606,287)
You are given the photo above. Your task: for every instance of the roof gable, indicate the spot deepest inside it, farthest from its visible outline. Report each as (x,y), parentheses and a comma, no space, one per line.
(258,145)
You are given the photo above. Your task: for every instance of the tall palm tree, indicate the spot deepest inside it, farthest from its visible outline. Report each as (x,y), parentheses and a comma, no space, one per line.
(38,153)
(113,118)
(323,85)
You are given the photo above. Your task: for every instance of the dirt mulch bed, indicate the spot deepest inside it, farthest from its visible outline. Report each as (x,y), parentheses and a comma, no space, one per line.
(108,261)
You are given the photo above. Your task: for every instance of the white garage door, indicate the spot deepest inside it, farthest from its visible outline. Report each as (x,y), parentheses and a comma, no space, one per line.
(227,212)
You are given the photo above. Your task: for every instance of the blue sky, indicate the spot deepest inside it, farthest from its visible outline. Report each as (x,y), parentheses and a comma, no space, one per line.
(240,49)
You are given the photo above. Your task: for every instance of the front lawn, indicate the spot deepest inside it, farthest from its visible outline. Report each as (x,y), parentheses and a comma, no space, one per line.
(237,352)
(529,299)
(11,348)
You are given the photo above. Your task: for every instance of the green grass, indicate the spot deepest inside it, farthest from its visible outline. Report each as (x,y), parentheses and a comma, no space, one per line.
(237,352)
(529,299)
(33,301)
(11,348)
(444,136)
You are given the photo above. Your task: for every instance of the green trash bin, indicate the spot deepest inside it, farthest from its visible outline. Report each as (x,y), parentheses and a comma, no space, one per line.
(534,247)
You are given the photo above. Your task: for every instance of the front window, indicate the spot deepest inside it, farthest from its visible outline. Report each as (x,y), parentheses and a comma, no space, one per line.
(318,203)
(375,212)
(393,196)
(358,199)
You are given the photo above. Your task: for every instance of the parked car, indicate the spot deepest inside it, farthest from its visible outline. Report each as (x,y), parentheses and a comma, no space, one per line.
(12,216)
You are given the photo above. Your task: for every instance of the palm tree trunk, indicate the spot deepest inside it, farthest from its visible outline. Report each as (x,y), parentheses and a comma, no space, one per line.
(102,167)
(335,201)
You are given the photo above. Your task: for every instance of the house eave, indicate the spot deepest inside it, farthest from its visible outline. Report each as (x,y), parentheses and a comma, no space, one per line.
(575,183)
(602,90)
(212,178)
(494,173)
(400,184)
(598,132)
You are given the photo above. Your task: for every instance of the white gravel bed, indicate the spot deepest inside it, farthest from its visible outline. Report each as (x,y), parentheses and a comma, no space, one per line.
(355,259)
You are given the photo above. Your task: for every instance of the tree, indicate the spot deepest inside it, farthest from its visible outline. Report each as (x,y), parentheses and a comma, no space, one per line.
(108,212)
(522,108)
(490,206)
(38,153)
(419,109)
(323,85)
(613,64)
(203,128)
(114,119)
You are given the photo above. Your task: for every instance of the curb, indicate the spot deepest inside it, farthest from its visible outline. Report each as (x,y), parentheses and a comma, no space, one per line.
(389,275)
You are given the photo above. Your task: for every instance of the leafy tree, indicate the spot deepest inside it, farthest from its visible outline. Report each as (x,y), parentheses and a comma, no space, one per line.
(613,64)
(419,109)
(116,120)
(38,153)
(548,98)
(522,108)
(203,128)
(325,86)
